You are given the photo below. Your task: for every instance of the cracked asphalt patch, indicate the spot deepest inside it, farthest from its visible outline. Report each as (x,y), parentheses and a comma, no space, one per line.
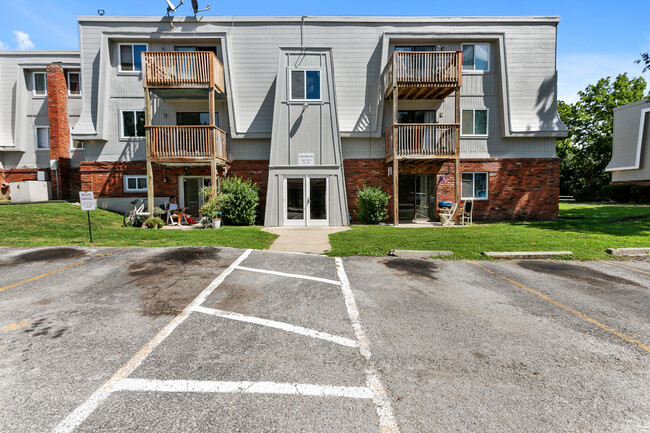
(457,348)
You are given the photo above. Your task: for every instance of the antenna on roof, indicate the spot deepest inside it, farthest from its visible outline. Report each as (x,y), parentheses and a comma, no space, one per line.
(195,5)
(171,7)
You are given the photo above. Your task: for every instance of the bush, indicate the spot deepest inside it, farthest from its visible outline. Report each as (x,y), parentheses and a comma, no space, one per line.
(641,193)
(372,203)
(619,193)
(239,201)
(153,223)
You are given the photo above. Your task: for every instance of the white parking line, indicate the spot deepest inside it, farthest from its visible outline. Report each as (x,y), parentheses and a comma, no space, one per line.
(279,325)
(243,388)
(78,416)
(387,420)
(283,274)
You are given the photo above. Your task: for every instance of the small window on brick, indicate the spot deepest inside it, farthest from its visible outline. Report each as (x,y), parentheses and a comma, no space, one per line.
(132,124)
(74,83)
(135,183)
(40,83)
(42,137)
(130,57)
(474,186)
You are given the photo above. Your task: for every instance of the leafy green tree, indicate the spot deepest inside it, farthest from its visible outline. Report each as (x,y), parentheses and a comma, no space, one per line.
(645,59)
(588,148)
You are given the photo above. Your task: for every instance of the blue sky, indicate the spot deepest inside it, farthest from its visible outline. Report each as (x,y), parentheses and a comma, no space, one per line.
(595,38)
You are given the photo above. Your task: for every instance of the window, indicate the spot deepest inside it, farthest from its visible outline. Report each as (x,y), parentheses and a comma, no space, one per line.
(305,85)
(132,124)
(416,116)
(130,57)
(42,137)
(474,186)
(194,118)
(135,183)
(74,83)
(40,83)
(79,145)
(476,57)
(474,122)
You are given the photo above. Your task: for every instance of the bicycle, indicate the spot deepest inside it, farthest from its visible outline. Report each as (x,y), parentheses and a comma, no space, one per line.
(134,217)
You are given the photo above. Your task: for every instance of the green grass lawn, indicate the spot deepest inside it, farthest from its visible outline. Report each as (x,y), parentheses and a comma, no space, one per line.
(586,230)
(66,224)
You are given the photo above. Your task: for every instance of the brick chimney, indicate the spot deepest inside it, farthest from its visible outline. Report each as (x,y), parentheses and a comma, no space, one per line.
(57,113)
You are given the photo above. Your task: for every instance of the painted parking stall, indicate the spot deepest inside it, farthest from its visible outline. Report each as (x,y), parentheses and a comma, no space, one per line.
(371,389)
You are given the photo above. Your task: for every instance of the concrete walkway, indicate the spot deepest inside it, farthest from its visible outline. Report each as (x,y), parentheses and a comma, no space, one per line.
(313,240)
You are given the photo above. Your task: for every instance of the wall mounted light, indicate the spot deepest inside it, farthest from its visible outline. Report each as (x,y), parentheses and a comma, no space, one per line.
(165,179)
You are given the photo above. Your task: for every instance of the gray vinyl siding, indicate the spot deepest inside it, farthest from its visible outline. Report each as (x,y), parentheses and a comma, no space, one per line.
(21,111)
(626,140)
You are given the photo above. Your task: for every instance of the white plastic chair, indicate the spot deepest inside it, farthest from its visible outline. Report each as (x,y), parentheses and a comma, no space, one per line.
(447,215)
(169,216)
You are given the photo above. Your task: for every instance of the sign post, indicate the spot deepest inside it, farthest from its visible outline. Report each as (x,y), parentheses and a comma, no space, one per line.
(87,200)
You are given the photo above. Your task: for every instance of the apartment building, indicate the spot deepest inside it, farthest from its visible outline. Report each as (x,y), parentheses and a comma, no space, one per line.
(630,163)
(310,108)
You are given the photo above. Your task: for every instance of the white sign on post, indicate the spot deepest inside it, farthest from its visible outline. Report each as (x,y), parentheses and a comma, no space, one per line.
(305,159)
(87,200)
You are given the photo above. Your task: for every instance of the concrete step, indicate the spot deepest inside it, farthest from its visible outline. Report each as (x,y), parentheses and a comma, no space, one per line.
(630,252)
(526,254)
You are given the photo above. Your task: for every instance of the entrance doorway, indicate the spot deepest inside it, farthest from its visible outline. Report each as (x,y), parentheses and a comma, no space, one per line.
(305,201)
(189,191)
(417,197)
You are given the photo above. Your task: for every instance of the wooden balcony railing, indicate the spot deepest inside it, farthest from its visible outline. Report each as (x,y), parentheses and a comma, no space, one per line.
(187,143)
(183,69)
(422,140)
(443,69)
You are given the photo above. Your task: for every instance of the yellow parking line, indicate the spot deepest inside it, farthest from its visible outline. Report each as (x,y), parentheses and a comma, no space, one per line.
(625,267)
(40,276)
(569,309)
(112,252)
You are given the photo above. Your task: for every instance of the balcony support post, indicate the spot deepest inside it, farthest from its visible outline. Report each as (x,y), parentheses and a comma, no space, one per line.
(213,138)
(395,158)
(147,121)
(457,176)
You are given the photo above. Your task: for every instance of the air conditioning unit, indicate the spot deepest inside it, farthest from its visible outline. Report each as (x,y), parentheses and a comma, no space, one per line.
(29,191)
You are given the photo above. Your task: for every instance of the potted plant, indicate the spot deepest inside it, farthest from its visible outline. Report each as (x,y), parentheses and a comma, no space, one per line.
(212,207)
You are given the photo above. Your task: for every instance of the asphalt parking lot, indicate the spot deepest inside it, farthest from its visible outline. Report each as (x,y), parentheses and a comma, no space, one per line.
(219,339)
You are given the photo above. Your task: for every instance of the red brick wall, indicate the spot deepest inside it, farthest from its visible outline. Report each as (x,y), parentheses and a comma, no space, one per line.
(106,179)
(517,188)
(371,172)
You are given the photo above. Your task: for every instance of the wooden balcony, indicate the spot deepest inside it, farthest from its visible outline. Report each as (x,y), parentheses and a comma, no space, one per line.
(187,144)
(422,141)
(182,74)
(423,74)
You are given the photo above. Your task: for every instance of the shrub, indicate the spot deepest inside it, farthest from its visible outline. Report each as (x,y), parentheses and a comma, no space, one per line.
(153,223)
(641,193)
(239,201)
(620,193)
(372,203)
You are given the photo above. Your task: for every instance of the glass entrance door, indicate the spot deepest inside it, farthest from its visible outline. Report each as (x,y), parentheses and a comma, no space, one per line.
(305,201)
(417,197)
(191,196)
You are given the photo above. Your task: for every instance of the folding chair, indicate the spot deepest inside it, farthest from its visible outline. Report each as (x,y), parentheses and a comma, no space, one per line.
(447,215)
(468,207)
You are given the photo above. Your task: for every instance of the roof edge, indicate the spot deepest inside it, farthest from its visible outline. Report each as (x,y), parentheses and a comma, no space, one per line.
(39,52)
(309,18)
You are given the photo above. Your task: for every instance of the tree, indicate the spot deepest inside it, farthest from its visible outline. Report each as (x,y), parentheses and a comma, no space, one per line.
(588,148)
(645,59)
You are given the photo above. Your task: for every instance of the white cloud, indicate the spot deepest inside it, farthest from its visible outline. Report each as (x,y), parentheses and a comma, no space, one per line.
(22,38)
(4,46)
(577,71)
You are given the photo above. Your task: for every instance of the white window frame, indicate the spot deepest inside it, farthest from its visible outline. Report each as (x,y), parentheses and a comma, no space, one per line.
(487,185)
(39,95)
(119,57)
(125,181)
(36,128)
(477,71)
(305,70)
(129,137)
(68,83)
(487,122)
